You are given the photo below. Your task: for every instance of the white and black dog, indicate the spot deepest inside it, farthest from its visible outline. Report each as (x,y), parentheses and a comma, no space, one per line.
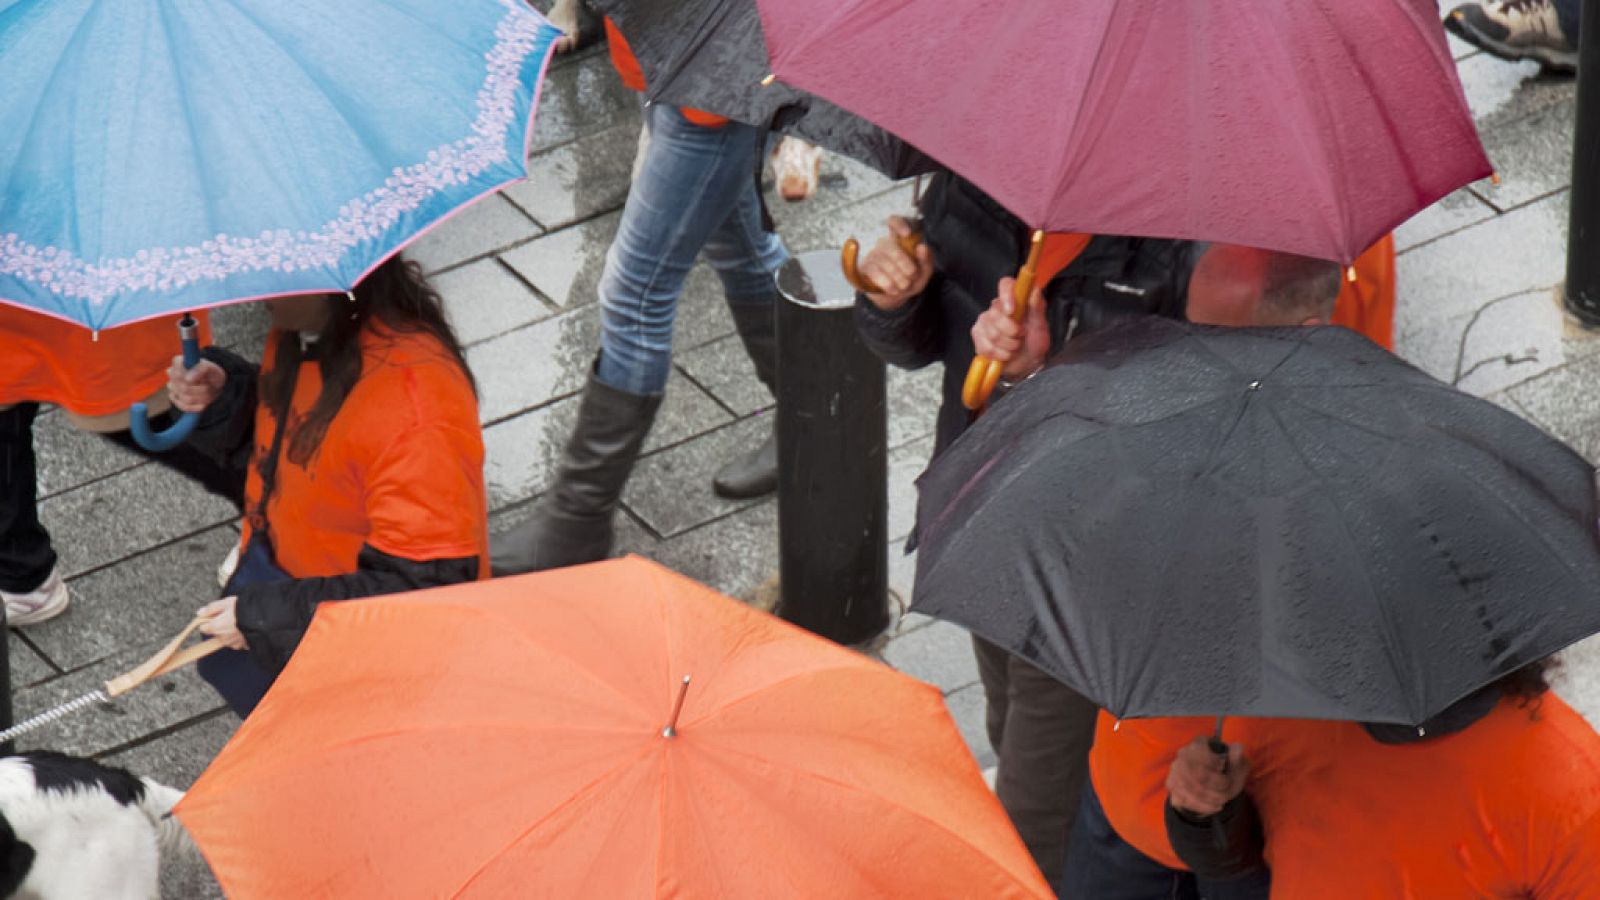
(75,829)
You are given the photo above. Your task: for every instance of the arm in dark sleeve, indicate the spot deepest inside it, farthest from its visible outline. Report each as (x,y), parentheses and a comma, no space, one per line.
(226,431)
(1219,852)
(273,617)
(909,337)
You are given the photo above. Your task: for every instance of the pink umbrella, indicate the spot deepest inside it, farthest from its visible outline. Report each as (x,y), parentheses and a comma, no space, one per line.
(1308,126)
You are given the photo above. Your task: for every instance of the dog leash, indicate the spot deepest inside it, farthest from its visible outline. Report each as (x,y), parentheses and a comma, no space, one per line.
(171,657)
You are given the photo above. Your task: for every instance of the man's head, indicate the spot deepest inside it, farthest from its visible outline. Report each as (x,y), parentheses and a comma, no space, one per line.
(1240,286)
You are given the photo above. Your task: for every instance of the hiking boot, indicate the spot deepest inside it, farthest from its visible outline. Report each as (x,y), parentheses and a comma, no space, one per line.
(46,601)
(754,473)
(573,522)
(1516,30)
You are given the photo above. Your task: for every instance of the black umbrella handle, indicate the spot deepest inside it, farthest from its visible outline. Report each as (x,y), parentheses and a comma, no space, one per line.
(1219,833)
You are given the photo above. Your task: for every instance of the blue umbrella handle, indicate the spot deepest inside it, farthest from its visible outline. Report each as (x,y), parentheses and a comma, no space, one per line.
(139,420)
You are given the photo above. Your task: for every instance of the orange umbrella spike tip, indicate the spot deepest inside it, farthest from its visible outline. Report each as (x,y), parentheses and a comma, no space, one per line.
(1494,178)
(767,81)
(1350,274)
(672,726)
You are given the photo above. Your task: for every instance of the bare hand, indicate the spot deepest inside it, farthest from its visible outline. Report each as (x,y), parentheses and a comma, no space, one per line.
(221,623)
(192,390)
(1198,785)
(900,275)
(1021,346)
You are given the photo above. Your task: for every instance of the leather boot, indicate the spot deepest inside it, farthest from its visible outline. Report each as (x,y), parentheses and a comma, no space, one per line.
(572,522)
(755,472)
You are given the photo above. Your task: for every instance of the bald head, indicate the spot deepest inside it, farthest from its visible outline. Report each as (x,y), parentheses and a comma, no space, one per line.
(1240,286)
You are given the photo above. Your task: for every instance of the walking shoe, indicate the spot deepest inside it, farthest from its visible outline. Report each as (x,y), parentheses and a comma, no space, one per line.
(1516,30)
(46,601)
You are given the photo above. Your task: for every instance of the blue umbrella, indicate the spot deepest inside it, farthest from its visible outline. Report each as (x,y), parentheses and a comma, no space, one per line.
(159,156)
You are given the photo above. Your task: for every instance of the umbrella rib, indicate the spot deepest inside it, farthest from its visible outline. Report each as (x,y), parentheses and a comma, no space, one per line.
(714,714)
(864,791)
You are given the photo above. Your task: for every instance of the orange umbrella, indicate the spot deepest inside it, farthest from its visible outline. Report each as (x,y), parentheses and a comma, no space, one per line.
(510,738)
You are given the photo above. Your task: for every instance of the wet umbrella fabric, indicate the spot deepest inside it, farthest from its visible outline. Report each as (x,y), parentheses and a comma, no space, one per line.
(505,739)
(1308,126)
(1181,520)
(710,55)
(159,157)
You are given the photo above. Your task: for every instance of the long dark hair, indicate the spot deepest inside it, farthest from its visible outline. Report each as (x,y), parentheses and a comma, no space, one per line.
(393,296)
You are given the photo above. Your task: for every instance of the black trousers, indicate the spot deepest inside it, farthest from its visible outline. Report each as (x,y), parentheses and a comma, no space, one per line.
(26,555)
(1041,731)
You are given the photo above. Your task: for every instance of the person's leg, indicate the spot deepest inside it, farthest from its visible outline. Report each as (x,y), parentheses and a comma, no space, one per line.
(1255,886)
(1044,761)
(1101,865)
(31,587)
(746,257)
(234,675)
(689,180)
(994,670)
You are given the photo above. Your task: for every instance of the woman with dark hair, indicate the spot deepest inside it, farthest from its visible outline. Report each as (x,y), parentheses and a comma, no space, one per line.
(365,460)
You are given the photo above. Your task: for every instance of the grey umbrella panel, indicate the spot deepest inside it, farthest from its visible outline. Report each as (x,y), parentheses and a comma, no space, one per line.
(711,55)
(1178,520)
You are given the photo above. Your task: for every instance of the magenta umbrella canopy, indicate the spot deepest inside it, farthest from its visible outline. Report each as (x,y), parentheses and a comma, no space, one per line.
(1307,126)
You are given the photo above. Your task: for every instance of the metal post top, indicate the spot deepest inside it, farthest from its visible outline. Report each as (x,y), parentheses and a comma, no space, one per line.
(815,280)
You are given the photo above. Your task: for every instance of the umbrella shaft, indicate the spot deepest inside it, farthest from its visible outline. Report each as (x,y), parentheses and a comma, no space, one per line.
(50,715)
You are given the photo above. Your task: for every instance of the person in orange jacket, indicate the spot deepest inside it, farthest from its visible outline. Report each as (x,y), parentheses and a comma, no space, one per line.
(94,378)
(693,190)
(1118,848)
(1498,796)
(365,465)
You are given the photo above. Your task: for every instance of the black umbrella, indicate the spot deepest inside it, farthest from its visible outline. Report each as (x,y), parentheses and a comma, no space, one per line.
(1182,520)
(710,55)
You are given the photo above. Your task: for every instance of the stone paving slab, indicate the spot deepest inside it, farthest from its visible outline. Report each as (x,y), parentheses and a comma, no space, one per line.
(106,521)
(141,601)
(522,451)
(1460,273)
(580,179)
(69,458)
(906,462)
(486,298)
(491,224)
(724,369)
(1563,403)
(940,654)
(156,707)
(27,666)
(529,367)
(1501,94)
(565,265)
(581,96)
(671,491)
(1456,211)
(1533,157)
(1501,344)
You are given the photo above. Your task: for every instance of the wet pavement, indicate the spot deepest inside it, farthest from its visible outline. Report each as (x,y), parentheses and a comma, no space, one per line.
(1479,307)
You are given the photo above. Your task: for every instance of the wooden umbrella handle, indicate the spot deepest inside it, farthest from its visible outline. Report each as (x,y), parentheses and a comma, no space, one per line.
(984,373)
(166,660)
(852,251)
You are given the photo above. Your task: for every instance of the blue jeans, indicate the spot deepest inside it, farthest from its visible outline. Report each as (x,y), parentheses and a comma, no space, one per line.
(1103,866)
(695,190)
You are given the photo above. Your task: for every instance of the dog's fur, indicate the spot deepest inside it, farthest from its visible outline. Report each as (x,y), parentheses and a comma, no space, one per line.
(73,829)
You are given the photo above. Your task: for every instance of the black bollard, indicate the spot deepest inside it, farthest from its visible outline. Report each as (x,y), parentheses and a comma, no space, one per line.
(833,502)
(1583,234)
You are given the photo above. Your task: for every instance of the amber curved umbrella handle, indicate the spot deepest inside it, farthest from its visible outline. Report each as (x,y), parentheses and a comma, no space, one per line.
(984,373)
(852,251)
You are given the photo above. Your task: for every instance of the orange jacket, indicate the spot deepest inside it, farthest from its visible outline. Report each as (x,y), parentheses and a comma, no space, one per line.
(627,66)
(1507,808)
(1128,766)
(47,360)
(400,467)
(1367,304)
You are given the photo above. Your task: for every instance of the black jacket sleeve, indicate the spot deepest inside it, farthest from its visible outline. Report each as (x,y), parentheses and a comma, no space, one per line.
(226,431)
(910,337)
(273,617)
(1221,847)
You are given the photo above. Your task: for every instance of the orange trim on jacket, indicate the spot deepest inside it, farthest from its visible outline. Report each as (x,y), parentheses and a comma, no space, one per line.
(1367,304)
(627,66)
(400,466)
(48,360)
